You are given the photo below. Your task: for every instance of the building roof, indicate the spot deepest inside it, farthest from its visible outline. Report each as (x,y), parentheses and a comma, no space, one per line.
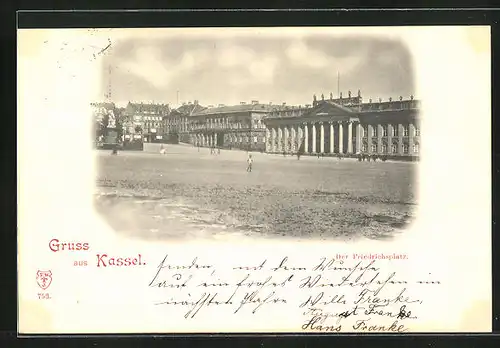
(323,108)
(190,109)
(148,108)
(105,105)
(235,109)
(393,105)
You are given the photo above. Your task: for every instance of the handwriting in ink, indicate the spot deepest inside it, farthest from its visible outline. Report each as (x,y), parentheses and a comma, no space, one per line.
(284,267)
(255,298)
(361,325)
(163,265)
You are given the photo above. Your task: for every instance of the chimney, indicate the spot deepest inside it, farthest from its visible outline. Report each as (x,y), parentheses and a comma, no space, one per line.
(284,103)
(189,103)
(255,102)
(242,103)
(195,102)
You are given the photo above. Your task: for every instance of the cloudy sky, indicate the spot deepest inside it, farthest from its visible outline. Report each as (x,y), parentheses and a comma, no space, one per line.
(230,69)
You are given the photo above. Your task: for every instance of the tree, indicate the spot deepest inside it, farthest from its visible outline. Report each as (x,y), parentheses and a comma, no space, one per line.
(97,129)
(104,123)
(119,122)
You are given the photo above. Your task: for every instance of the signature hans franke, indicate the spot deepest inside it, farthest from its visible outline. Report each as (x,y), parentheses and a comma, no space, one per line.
(330,296)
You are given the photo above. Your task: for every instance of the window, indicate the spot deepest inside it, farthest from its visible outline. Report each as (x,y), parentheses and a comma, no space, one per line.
(384,130)
(364,131)
(405,148)
(384,148)
(254,139)
(365,148)
(394,148)
(374,131)
(416,148)
(417,131)
(374,148)
(395,132)
(405,130)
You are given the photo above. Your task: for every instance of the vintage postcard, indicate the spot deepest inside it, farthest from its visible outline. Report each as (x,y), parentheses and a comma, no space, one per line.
(254,180)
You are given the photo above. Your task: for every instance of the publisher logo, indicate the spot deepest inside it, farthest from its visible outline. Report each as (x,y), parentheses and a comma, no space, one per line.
(44,279)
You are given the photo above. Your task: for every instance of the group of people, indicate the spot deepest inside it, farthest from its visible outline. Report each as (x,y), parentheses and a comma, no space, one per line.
(213,150)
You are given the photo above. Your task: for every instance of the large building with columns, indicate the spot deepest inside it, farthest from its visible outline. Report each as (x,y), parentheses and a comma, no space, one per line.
(347,126)
(234,126)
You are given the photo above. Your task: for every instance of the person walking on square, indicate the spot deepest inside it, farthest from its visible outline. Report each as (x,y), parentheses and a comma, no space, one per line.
(249,161)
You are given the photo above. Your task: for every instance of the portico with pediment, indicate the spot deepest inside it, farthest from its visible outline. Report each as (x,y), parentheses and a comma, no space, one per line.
(327,128)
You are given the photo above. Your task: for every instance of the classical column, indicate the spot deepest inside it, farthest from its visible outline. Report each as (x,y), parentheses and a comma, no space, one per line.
(411,134)
(400,139)
(369,138)
(332,147)
(287,138)
(349,137)
(306,138)
(380,133)
(314,138)
(389,138)
(280,139)
(293,138)
(322,138)
(358,137)
(275,139)
(268,140)
(341,138)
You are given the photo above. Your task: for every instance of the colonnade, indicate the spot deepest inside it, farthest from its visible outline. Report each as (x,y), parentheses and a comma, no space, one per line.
(316,137)
(204,140)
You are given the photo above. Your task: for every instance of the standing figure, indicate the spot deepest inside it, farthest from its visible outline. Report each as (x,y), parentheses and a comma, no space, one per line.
(249,161)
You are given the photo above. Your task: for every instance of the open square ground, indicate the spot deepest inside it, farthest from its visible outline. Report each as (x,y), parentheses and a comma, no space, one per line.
(191,193)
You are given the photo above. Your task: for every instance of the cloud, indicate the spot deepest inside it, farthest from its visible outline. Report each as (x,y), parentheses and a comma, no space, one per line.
(262,70)
(232,56)
(229,70)
(144,64)
(300,54)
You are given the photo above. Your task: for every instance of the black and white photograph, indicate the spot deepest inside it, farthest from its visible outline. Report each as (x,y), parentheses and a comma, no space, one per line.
(257,135)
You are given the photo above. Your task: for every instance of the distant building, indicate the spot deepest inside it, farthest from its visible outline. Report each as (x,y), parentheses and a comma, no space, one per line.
(236,126)
(146,120)
(347,126)
(176,123)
